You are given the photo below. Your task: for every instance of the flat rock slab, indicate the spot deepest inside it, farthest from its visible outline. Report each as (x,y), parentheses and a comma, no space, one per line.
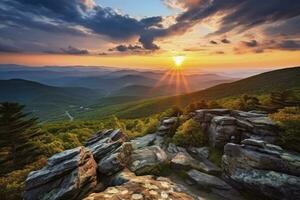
(214,184)
(185,161)
(147,160)
(142,188)
(142,142)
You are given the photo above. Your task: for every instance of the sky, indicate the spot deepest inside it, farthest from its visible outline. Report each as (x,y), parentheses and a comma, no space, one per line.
(211,34)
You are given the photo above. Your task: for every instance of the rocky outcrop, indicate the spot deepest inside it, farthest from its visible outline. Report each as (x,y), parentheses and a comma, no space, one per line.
(223,126)
(110,151)
(185,161)
(166,125)
(214,184)
(141,188)
(68,175)
(263,168)
(142,142)
(148,160)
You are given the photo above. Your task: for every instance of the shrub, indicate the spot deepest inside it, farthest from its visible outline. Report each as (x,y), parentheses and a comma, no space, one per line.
(289,120)
(189,134)
(175,111)
(12,184)
(151,125)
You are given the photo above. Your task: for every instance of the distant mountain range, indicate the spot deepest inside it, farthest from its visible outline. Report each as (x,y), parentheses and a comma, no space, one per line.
(86,92)
(103,78)
(264,83)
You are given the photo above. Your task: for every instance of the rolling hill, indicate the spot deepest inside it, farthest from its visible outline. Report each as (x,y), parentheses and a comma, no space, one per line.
(288,78)
(46,100)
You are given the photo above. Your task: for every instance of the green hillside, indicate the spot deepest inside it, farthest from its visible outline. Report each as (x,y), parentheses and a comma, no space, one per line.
(281,79)
(144,91)
(46,101)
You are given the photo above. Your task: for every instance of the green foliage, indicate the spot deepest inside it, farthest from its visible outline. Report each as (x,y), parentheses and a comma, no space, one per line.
(289,120)
(174,111)
(189,134)
(281,99)
(17,132)
(195,106)
(215,156)
(12,184)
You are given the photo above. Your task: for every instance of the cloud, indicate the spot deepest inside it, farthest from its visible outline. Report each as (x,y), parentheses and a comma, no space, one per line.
(288,28)
(70,50)
(67,16)
(126,48)
(74,51)
(85,18)
(5,48)
(252,43)
(290,45)
(213,42)
(225,41)
(242,15)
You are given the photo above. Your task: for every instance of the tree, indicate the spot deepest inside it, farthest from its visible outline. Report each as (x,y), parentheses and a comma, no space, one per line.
(248,103)
(17,130)
(281,99)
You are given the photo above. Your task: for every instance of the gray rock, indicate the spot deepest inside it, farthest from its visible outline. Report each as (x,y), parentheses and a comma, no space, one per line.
(263,168)
(223,126)
(166,125)
(224,120)
(147,160)
(68,175)
(105,142)
(185,161)
(214,184)
(144,141)
(202,152)
(115,161)
(219,134)
(256,143)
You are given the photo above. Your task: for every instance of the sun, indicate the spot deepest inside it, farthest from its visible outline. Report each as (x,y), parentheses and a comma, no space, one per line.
(178,60)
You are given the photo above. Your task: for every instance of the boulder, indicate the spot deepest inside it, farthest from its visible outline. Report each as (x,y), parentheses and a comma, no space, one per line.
(142,142)
(185,161)
(148,160)
(68,175)
(166,125)
(221,130)
(223,126)
(105,142)
(141,188)
(116,161)
(213,184)
(202,152)
(263,168)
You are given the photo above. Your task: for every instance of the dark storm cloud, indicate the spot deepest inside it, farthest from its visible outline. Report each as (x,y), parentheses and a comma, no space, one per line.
(5,48)
(252,43)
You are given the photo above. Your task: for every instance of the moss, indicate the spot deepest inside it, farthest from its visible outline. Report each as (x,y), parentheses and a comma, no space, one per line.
(215,156)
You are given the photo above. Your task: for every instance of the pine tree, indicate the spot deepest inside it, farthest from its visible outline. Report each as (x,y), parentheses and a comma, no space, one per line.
(17,130)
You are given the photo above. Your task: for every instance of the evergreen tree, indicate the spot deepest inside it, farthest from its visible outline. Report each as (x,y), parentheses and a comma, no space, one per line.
(284,98)
(17,130)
